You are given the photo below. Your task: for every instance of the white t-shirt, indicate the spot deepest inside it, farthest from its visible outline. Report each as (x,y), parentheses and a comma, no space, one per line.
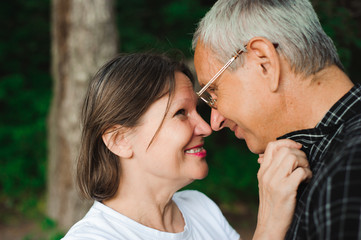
(203,220)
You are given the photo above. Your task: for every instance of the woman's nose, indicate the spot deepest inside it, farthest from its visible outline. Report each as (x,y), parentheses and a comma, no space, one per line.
(217,120)
(202,127)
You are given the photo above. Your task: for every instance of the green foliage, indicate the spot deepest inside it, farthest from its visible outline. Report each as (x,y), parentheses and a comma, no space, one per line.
(343,26)
(158,25)
(50,227)
(24,101)
(47,230)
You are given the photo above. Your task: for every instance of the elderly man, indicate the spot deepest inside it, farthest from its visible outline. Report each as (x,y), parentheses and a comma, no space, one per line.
(269,71)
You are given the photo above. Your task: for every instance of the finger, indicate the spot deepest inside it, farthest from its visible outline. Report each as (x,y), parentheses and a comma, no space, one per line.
(274,146)
(260,158)
(293,162)
(299,175)
(288,143)
(293,158)
(268,171)
(286,159)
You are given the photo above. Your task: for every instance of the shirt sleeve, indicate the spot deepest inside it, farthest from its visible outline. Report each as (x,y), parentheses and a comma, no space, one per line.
(335,203)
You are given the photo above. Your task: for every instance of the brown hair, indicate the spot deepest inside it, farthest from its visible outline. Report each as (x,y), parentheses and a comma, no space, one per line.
(119,94)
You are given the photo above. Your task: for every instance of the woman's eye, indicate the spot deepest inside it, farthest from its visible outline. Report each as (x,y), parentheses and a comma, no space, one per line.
(180,112)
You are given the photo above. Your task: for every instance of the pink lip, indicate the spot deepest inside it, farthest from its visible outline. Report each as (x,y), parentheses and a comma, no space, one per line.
(198,146)
(201,154)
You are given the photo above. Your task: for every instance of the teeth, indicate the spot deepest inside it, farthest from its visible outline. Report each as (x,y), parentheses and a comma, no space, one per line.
(194,150)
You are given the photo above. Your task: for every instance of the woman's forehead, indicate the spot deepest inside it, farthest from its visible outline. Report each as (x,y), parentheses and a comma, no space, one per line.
(183,87)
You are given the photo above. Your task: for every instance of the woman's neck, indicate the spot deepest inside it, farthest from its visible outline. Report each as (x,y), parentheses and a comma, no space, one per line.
(149,205)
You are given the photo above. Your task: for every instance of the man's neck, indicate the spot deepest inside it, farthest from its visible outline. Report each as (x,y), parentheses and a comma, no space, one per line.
(310,98)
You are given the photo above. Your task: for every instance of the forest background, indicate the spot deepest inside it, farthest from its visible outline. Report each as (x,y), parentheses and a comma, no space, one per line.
(26,93)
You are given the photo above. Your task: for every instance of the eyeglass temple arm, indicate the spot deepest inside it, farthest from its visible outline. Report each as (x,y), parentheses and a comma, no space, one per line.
(219,72)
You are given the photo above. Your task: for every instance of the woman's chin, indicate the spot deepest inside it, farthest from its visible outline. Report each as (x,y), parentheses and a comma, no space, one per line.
(201,174)
(196,173)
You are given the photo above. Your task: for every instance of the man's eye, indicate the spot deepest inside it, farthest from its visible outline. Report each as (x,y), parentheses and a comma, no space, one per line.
(180,112)
(212,90)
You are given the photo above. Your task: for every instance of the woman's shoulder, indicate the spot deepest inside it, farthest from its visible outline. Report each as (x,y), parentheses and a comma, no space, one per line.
(87,228)
(98,223)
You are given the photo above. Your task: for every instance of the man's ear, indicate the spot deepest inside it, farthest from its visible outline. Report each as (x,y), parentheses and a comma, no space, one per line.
(115,140)
(267,60)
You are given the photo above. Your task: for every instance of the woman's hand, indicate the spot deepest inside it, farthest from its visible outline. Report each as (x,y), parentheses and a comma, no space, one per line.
(283,167)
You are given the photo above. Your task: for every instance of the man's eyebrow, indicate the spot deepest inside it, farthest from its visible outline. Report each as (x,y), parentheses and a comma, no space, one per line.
(207,81)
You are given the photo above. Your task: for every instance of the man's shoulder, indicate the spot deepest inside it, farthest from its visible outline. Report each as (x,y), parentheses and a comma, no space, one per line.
(344,154)
(334,195)
(352,130)
(350,143)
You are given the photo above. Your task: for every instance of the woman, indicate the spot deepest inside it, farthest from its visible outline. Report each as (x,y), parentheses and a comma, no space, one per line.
(142,142)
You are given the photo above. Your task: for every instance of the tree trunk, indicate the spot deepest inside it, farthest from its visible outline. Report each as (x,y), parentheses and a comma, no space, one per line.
(84,36)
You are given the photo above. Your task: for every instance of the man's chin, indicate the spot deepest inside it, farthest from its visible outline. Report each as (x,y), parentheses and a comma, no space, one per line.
(255,148)
(238,134)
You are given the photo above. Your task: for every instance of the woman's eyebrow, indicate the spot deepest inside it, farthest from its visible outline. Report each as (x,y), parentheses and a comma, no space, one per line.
(188,100)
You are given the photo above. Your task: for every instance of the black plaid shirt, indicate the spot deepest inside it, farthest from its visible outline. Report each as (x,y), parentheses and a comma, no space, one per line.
(329,206)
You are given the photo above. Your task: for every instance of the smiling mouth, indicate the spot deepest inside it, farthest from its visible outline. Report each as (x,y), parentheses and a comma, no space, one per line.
(195,150)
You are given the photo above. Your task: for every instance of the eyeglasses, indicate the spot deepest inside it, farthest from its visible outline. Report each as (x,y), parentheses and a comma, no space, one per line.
(204,95)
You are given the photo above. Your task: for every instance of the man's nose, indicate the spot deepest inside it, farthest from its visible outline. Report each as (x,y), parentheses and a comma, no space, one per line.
(217,120)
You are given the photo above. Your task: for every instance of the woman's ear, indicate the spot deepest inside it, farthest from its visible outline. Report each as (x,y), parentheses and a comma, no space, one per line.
(117,143)
(267,60)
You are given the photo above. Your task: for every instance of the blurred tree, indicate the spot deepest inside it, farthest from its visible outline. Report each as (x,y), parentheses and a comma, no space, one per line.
(84,36)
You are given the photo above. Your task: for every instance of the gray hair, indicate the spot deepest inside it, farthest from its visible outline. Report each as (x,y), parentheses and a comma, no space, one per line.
(293,24)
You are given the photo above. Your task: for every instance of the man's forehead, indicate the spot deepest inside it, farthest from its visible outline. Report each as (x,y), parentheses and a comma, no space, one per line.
(205,63)
(204,54)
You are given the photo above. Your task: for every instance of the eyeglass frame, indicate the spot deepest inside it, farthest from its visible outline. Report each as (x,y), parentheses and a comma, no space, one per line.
(213,101)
